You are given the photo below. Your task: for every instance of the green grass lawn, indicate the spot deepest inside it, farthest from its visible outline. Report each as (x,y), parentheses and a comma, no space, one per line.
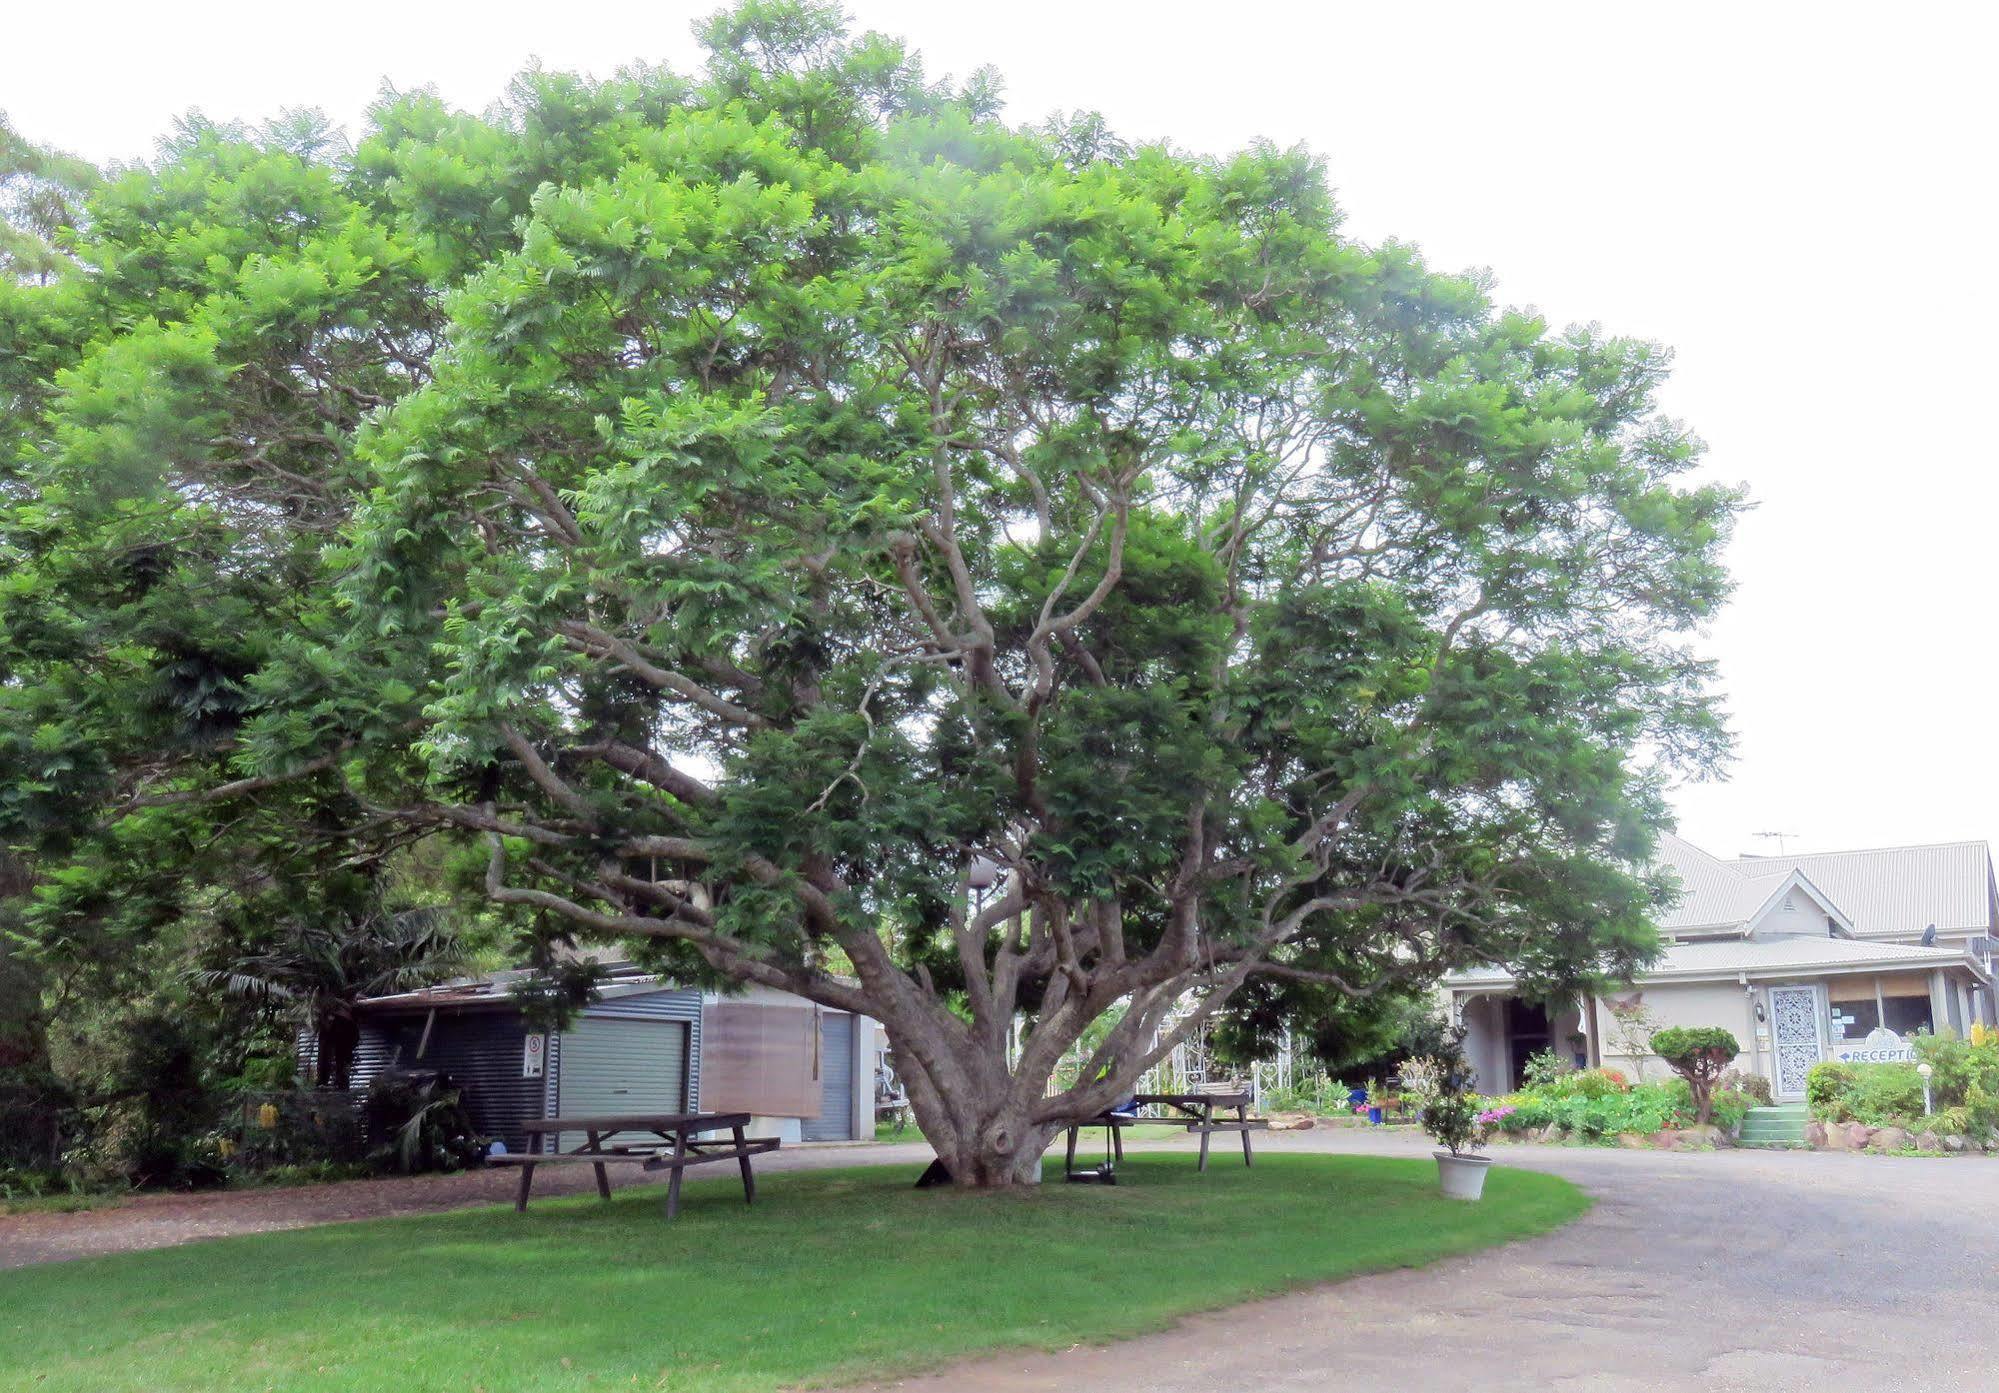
(833,1275)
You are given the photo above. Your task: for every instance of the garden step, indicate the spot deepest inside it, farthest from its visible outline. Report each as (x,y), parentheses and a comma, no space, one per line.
(1776,1125)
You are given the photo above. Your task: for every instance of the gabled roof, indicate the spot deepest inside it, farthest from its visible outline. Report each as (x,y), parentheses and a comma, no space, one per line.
(1713,893)
(1726,897)
(1897,890)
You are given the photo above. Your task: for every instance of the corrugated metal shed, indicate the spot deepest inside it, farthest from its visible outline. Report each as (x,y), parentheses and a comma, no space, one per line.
(478,1038)
(481,1051)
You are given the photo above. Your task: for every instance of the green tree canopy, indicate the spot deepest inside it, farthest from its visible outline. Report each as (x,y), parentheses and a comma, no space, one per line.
(739,505)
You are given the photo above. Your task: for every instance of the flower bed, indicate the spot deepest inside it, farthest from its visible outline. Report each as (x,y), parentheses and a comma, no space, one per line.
(1601,1106)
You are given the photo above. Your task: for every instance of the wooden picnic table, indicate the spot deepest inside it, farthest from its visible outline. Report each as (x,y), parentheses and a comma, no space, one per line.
(676,1141)
(1194,1111)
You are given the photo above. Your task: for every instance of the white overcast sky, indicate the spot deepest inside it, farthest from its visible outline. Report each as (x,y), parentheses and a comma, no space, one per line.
(1798,199)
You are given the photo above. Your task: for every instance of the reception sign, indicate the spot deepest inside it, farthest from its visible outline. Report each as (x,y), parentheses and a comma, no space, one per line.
(1882,1046)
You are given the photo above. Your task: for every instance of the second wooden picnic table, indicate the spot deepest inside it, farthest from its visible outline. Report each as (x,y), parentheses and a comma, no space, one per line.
(668,1141)
(1193,1111)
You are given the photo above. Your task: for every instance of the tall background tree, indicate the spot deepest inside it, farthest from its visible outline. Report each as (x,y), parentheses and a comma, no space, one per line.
(731,506)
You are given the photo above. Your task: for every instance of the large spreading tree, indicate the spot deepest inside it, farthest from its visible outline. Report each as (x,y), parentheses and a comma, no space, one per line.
(748,510)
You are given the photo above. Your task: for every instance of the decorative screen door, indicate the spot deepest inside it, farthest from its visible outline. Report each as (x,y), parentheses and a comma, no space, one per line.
(1795,1038)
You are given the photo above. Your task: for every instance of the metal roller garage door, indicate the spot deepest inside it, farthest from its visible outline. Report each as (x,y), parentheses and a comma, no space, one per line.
(836,1081)
(612,1066)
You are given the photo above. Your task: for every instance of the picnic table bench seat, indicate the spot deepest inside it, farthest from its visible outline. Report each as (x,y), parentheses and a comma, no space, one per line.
(678,1142)
(1195,1112)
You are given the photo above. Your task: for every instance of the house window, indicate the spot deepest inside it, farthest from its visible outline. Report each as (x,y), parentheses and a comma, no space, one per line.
(1853,1019)
(1907,1014)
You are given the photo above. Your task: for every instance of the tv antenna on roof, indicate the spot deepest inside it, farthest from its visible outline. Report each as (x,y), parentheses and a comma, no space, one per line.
(1777,837)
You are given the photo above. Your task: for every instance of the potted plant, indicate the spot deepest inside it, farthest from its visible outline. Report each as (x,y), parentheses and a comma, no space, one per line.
(1453,1116)
(1375,1100)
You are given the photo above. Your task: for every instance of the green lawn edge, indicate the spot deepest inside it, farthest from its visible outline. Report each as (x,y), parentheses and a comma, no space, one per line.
(835,1276)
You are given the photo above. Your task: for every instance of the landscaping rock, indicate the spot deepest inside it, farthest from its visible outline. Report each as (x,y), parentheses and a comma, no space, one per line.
(1633,1141)
(1890,1139)
(1953,1143)
(1710,1135)
(1549,1133)
(1857,1134)
(1816,1134)
(1928,1141)
(1664,1139)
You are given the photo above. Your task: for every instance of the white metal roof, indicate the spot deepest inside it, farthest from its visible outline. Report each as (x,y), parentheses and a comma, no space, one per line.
(1898,891)
(1755,955)
(1758,957)
(1713,892)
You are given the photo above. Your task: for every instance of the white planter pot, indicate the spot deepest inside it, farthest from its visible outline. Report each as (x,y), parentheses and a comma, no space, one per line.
(1462,1177)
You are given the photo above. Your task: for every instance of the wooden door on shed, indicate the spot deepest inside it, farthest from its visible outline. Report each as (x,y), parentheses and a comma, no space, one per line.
(759,1059)
(615,1066)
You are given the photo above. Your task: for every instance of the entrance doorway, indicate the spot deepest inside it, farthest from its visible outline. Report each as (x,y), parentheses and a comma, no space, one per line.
(1797,1039)
(1528,1032)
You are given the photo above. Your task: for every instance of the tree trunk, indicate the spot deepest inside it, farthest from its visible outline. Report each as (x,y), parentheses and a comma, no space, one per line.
(975,1120)
(998,1150)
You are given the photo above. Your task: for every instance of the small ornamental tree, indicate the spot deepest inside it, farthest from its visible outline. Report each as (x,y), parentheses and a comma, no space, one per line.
(1453,1113)
(1698,1054)
(732,507)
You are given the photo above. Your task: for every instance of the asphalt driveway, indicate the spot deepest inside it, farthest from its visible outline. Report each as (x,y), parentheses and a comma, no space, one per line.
(1731,1270)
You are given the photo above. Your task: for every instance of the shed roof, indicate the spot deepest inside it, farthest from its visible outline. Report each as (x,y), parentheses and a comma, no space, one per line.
(495,991)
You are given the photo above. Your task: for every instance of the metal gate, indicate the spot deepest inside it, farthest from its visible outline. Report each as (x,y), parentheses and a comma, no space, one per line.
(613,1066)
(836,1081)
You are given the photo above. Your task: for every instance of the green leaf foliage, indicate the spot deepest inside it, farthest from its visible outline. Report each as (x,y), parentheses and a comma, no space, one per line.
(725,507)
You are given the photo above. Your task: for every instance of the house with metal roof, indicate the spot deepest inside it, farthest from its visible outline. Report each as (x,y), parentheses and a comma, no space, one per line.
(1831,955)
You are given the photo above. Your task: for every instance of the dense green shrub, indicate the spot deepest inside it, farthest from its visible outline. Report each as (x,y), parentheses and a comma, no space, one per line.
(1960,1065)
(1982,1112)
(1825,1085)
(1879,1095)
(1952,1122)
(417,1123)
(1598,1083)
(1545,1072)
(1550,1076)
(293,1128)
(1754,1087)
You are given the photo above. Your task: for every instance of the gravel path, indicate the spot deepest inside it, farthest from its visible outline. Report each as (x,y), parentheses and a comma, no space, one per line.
(1716,1272)
(163,1220)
